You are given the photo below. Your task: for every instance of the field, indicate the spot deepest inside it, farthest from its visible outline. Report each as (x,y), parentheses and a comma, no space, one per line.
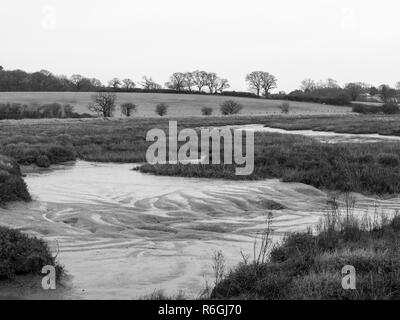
(180,105)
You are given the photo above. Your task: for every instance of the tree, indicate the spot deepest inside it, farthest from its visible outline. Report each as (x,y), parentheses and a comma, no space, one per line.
(128,108)
(115,83)
(222,84)
(255,81)
(96,83)
(355,89)
(308,85)
(103,103)
(230,107)
(269,82)
(1,68)
(373,91)
(328,84)
(398,85)
(76,80)
(189,81)
(162,109)
(387,94)
(200,79)
(149,84)
(177,81)
(212,82)
(128,84)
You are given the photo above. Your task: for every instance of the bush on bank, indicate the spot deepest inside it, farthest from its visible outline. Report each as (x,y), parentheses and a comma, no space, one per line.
(308,266)
(12,186)
(22,255)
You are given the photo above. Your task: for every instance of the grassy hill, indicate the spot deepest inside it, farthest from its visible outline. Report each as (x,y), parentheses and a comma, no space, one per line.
(181,105)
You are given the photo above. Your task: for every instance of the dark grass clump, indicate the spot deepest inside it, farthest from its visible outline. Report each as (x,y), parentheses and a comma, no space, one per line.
(23,255)
(308,266)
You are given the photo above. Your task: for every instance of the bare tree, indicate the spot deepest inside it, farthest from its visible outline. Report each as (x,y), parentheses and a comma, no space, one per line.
(212,82)
(230,107)
(114,83)
(96,83)
(150,84)
(308,85)
(222,85)
(189,81)
(128,84)
(177,81)
(328,84)
(103,103)
(200,79)
(269,82)
(255,81)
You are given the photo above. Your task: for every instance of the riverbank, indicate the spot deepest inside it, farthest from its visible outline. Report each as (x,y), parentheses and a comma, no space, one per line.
(308,266)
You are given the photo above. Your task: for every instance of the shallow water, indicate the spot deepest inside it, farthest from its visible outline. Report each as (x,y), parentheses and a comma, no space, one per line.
(123,234)
(324,136)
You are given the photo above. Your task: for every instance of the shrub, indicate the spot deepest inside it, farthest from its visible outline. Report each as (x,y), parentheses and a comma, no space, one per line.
(103,103)
(9,165)
(162,109)
(366,108)
(64,139)
(285,107)
(12,186)
(206,111)
(333,96)
(230,107)
(21,255)
(58,154)
(43,161)
(128,108)
(390,108)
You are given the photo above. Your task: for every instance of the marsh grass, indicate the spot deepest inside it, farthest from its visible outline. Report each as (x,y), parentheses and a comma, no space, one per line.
(308,265)
(361,167)
(368,168)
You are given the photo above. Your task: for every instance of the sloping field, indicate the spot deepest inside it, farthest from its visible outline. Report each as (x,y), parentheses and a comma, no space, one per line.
(180,105)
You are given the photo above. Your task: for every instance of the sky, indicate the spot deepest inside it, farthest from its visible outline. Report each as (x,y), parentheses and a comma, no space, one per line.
(344,40)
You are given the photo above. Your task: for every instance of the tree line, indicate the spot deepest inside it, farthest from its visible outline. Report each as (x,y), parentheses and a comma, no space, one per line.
(260,84)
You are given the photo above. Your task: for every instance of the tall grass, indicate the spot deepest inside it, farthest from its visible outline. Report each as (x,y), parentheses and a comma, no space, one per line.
(308,265)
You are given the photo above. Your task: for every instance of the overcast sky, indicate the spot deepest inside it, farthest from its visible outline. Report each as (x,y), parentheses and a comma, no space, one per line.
(345,40)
